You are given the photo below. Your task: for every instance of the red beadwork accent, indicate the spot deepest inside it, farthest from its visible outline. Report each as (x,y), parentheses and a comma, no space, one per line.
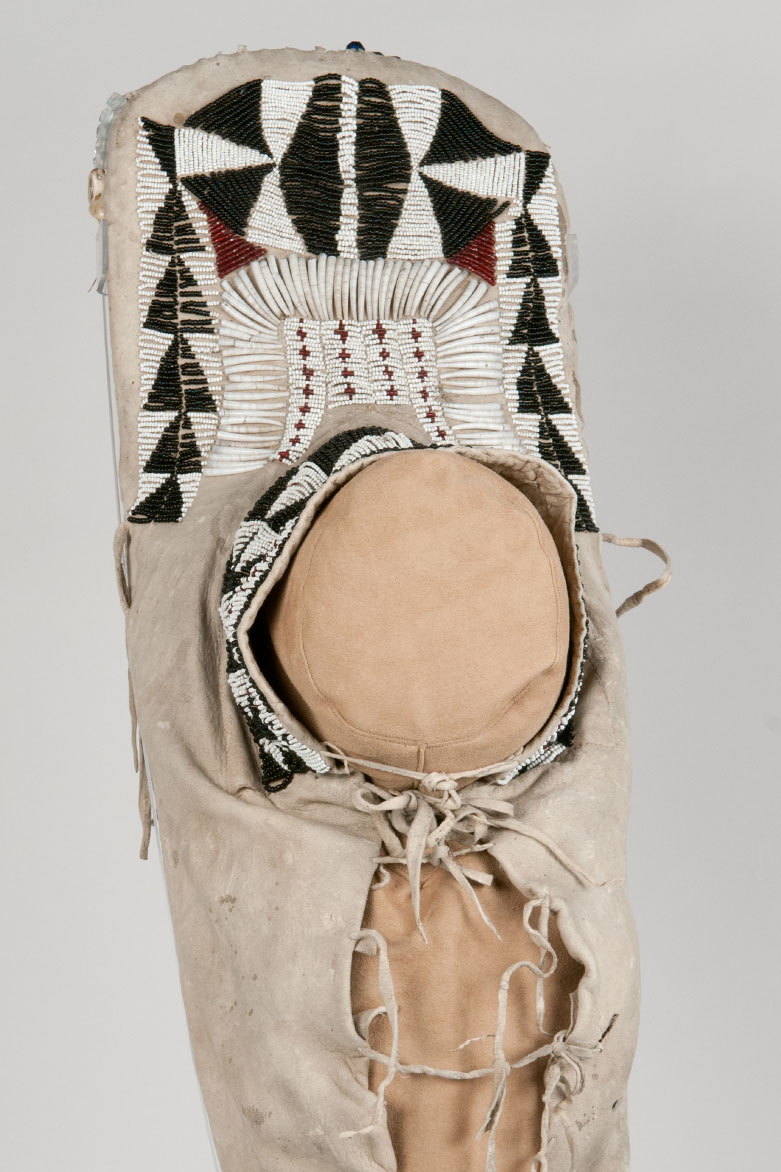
(232,251)
(479,255)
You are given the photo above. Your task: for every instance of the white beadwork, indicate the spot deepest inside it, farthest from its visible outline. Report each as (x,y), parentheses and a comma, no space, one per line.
(198,152)
(307,480)
(498,177)
(417,109)
(282,105)
(153,185)
(300,336)
(347,239)
(417,235)
(544,210)
(470,391)
(307,383)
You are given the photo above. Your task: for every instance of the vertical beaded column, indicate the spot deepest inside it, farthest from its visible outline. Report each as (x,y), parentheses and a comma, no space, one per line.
(181,371)
(529,270)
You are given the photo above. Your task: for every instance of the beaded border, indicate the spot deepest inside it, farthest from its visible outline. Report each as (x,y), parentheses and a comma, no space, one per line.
(180,362)
(529,260)
(259,540)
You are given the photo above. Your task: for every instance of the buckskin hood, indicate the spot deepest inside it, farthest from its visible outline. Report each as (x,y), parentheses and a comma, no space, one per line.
(274,528)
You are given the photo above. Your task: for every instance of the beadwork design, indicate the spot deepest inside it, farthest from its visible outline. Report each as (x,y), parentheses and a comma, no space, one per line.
(333,363)
(528,244)
(231,252)
(181,370)
(299,337)
(349,173)
(349,168)
(260,539)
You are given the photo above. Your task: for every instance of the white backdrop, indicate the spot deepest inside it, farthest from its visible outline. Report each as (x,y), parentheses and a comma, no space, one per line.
(662,119)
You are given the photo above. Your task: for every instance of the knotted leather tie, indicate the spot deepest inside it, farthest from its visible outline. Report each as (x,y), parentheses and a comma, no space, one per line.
(428,815)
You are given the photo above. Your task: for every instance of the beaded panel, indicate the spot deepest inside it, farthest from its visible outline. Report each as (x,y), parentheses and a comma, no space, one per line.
(346,167)
(529,258)
(355,171)
(299,337)
(181,369)
(334,363)
(260,539)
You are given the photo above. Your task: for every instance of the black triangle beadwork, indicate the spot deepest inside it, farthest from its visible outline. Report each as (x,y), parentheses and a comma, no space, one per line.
(310,177)
(259,541)
(178,311)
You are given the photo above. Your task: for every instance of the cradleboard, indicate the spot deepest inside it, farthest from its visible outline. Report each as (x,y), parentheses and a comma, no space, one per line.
(316,261)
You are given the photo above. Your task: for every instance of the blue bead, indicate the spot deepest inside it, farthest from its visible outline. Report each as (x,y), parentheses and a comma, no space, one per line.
(357,46)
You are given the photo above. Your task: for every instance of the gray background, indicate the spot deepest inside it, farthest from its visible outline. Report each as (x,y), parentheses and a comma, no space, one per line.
(663,121)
